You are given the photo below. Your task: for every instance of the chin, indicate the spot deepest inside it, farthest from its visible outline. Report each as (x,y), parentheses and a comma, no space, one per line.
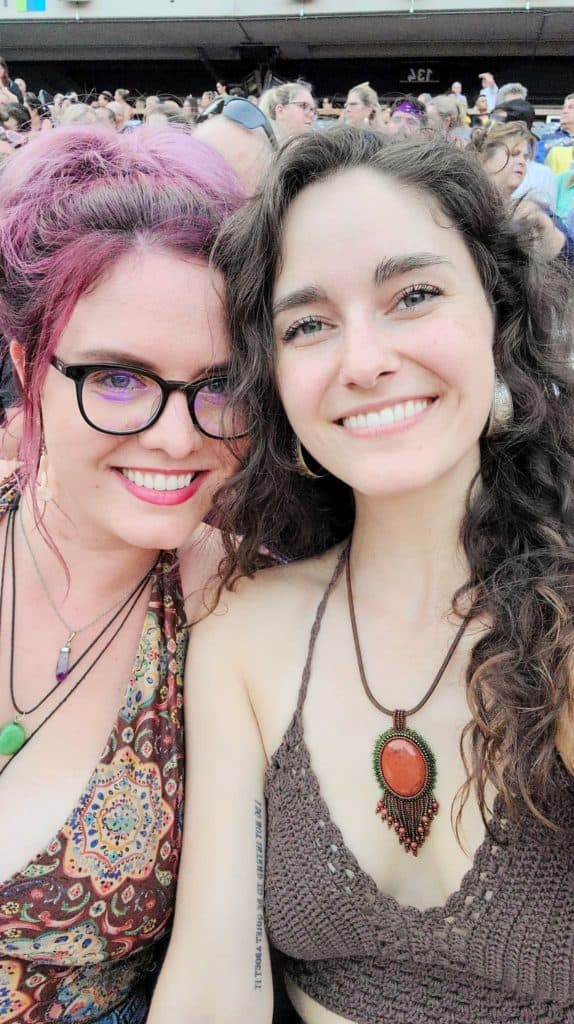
(163,535)
(401,480)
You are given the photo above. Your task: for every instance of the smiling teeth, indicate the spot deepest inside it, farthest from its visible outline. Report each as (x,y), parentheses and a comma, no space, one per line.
(159,481)
(385,417)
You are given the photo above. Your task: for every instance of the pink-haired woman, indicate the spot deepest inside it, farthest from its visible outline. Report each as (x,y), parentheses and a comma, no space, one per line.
(116,330)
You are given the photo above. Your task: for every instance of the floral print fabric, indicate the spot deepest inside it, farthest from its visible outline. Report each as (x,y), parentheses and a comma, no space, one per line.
(80,924)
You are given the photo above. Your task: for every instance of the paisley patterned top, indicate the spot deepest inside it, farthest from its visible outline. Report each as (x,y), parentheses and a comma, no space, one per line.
(80,924)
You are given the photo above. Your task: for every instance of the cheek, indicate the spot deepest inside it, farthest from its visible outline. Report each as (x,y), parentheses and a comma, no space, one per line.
(301,378)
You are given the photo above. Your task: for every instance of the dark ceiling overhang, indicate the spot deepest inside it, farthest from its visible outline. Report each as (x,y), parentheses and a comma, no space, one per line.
(303,36)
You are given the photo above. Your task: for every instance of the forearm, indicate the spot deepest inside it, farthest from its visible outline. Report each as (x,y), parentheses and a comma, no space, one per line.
(217,968)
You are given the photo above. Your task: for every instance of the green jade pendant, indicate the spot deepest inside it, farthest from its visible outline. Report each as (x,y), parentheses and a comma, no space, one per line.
(12,738)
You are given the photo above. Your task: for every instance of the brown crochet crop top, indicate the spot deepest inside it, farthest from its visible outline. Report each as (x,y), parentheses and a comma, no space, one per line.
(500,951)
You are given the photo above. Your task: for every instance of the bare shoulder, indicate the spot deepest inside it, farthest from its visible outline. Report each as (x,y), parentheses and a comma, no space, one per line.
(256,611)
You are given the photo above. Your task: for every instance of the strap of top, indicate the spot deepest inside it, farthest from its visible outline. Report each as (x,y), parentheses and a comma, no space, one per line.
(317,626)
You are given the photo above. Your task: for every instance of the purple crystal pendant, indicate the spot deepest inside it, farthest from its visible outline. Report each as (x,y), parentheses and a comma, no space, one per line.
(62,666)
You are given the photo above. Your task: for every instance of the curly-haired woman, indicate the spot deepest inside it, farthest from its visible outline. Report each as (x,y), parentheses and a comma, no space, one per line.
(406,357)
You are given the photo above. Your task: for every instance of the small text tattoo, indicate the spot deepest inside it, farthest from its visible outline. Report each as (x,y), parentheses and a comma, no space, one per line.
(260,873)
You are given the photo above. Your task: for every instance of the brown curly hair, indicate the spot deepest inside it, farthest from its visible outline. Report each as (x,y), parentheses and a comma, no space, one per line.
(518,530)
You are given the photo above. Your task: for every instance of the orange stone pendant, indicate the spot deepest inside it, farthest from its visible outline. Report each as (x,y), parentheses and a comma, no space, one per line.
(405,769)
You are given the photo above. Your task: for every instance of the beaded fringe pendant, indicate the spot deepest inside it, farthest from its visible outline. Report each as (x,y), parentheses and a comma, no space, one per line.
(405,769)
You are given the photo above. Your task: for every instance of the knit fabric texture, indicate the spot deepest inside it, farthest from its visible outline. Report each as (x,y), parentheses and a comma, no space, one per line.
(500,951)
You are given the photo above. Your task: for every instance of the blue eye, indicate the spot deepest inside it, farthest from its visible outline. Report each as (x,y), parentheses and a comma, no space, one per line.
(416,295)
(217,386)
(118,384)
(307,327)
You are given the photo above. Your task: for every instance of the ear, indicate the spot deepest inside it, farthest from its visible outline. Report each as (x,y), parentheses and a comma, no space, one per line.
(18,360)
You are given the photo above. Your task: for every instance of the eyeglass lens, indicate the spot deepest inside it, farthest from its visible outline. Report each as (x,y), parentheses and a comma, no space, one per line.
(123,402)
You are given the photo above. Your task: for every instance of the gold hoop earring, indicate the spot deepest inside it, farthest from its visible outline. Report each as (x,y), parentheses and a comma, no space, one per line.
(502,408)
(43,492)
(301,466)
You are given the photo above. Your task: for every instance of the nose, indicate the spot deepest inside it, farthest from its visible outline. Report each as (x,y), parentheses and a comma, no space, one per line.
(368,353)
(174,432)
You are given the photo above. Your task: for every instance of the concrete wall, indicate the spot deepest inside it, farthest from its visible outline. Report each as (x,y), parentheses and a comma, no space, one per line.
(239,9)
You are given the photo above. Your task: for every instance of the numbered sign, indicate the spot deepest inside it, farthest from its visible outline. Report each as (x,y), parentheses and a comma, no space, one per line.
(416,75)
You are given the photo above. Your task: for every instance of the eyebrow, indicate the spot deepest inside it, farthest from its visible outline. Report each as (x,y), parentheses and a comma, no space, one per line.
(300,297)
(384,271)
(396,265)
(117,358)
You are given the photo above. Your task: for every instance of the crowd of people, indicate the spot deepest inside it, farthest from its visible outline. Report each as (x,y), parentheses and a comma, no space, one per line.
(286,572)
(541,165)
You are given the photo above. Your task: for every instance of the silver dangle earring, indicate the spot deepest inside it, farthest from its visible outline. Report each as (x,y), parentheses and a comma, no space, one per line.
(43,492)
(301,466)
(502,408)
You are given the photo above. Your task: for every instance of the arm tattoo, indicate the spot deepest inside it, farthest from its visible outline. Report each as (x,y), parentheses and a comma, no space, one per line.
(260,874)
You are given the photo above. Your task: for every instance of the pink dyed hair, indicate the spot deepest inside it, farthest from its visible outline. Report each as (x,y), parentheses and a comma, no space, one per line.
(72,203)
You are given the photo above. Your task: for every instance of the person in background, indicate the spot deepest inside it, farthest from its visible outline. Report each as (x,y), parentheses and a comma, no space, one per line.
(105,116)
(443,115)
(82,114)
(539,183)
(205,99)
(150,101)
(40,120)
(290,108)
(221,87)
(21,84)
(190,108)
(489,89)
(362,108)
(456,90)
(166,113)
(16,119)
(104,98)
(565,194)
(504,150)
(556,149)
(511,91)
(479,113)
(9,90)
(129,120)
(408,116)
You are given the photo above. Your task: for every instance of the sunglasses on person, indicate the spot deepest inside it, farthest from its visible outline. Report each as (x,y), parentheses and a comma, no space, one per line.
(240,110)
(117,399)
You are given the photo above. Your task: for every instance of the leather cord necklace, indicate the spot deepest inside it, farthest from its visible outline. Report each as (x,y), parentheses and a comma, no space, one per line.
(13,736)
(404,764)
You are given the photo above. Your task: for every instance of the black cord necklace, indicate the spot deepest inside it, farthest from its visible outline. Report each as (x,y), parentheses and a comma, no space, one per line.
(13,736)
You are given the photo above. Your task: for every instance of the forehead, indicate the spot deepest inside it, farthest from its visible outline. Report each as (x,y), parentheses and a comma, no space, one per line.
(343,227)
(153,303)
(403,115)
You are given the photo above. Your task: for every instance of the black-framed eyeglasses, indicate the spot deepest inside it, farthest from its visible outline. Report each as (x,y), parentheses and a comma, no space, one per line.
(117,399)
(241,111)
